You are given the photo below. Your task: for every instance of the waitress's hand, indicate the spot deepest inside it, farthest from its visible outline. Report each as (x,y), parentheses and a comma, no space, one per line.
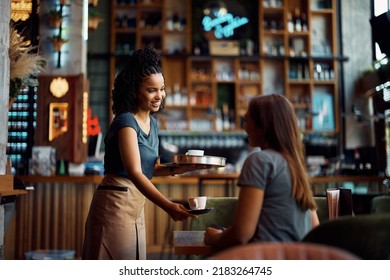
(178,212)
(212,235)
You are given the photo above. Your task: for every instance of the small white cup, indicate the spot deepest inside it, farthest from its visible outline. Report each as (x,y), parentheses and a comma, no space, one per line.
(197,202)
(195,153)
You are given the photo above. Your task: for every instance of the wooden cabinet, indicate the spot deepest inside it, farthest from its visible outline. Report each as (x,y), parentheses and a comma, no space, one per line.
(295,55)
(62,120)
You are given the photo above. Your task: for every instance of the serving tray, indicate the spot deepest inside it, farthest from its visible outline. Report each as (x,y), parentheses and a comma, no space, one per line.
(197,160)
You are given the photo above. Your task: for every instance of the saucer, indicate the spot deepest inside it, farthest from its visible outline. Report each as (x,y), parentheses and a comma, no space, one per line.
(201,211)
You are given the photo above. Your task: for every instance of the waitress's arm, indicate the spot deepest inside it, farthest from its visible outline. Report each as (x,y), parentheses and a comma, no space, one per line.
(128,146)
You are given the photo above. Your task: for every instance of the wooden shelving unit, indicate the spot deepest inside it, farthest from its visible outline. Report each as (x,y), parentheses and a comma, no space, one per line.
(298,43)
(296,55)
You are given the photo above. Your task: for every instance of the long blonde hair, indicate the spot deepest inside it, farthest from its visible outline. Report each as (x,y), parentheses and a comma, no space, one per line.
(275,117)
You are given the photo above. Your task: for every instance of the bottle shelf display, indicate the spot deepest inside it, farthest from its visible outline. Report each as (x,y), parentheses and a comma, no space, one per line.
(303,35)
(295,54)
(21,125)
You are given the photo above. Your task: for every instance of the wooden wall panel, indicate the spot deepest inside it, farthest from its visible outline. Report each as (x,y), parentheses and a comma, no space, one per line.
(69,146)
(52,217)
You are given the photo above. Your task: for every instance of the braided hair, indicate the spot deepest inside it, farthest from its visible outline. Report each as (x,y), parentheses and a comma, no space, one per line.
(142,64)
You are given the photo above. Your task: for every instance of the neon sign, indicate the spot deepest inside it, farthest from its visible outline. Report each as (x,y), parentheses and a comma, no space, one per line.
(223,24)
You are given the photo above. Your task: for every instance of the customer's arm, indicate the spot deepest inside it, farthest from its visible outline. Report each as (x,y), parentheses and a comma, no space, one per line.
(244,223)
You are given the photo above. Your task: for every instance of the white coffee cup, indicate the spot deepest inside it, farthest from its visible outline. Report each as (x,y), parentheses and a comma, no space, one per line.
(195,153)
(197,202)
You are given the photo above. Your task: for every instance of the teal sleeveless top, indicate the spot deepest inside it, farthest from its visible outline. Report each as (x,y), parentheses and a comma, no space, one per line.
(148,146)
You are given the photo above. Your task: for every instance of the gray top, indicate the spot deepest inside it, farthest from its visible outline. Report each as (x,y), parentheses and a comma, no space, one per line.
(281,218)
(148,146)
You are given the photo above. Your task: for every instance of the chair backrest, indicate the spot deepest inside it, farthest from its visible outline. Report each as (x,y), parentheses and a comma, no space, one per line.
(367,236)
(222,214)
(380,204)
(283,251)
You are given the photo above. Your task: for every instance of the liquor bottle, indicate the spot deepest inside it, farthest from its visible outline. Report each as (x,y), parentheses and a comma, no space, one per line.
(304,22)
(169,25)
(169,97)
(176,22)
(226,117)
(297,21)
(176,94)
(290,23)
(358,162)
(219,121)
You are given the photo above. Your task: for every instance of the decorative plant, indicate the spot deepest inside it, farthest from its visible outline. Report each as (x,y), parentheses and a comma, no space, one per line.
(55,14)
(94,18)
(55,18)
(57,42)
(58,38)
(25,64)
(93,3)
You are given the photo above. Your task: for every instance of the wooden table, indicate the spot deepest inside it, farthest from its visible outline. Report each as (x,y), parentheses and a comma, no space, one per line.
(191,243)
(7,191)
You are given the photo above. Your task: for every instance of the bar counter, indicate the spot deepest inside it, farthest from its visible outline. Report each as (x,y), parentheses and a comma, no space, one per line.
(96,179)
(189,179)
(7,187)
(52,216)
(371,184)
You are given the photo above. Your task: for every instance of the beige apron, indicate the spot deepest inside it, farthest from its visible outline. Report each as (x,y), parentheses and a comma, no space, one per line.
(115,226)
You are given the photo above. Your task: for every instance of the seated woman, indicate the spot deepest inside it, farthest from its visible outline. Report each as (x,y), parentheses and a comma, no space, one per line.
(275,201)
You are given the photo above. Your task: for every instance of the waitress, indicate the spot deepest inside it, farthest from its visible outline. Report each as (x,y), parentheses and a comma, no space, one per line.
(115,226)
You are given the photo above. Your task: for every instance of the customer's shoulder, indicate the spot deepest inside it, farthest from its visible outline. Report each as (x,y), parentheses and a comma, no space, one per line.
(266,156)
(268,153)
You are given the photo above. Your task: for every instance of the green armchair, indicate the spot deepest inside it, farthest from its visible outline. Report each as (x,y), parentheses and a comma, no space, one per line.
(367,236)
(380,204)
(222,215)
